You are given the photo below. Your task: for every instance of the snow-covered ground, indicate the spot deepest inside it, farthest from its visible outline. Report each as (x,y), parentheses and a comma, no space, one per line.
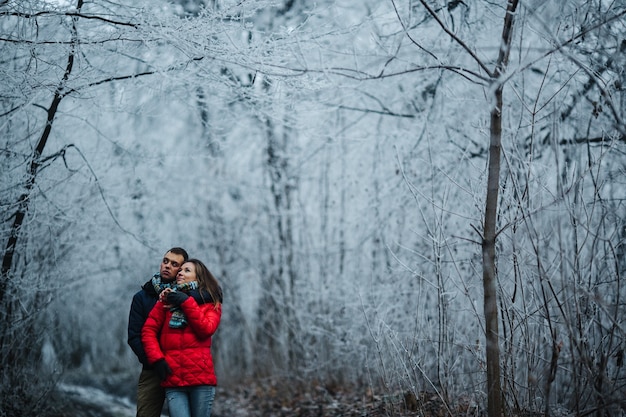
(96,399)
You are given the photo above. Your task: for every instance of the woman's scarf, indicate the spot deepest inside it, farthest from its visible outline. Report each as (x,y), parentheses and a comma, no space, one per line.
(178,319)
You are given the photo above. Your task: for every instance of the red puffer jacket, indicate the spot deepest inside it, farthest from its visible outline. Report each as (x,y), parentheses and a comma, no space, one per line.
(188,350)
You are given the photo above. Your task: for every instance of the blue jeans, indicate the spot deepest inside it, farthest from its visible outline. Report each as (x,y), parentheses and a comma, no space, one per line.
(195,401)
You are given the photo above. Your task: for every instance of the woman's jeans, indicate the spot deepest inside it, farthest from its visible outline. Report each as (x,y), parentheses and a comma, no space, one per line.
(195,401)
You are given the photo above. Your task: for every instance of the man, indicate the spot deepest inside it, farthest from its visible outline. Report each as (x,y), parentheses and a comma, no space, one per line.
(150,394)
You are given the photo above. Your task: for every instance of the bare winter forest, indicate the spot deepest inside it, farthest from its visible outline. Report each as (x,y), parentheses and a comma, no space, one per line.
(414,207)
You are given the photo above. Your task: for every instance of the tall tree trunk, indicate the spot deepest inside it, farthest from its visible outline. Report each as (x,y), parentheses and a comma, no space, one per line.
(494,387)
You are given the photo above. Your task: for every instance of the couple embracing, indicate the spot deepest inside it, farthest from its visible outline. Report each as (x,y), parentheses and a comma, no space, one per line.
(171,322)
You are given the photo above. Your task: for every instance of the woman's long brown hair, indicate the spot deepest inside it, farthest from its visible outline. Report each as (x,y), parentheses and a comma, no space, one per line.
(207,282)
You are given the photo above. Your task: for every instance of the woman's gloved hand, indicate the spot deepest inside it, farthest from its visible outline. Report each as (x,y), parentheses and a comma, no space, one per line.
(162,369)
(176,298)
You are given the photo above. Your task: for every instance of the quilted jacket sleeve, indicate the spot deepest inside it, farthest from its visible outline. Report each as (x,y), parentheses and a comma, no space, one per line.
(203,320)
(150,333)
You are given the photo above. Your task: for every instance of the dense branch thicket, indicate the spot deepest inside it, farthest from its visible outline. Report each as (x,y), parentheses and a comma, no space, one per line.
(329,162)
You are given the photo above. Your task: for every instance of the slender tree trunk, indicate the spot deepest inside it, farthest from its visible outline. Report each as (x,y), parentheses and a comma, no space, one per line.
(494,389)
(494,386)
(24,199)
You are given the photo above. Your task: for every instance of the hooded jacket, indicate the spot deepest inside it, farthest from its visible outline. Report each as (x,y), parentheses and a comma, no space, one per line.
(186,350)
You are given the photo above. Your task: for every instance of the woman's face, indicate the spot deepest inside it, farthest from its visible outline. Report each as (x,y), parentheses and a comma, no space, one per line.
(186,274)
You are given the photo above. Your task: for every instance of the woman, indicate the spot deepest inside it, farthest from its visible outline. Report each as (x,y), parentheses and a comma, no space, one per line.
(177,340)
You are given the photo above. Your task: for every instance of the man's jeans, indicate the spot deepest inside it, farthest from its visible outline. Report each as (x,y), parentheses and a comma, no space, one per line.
(150,394)
(195,401)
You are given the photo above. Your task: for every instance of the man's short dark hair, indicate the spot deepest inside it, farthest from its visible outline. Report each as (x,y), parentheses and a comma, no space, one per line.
(180,251)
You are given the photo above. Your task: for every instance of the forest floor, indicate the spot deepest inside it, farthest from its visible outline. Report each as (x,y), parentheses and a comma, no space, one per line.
(319,401)
(110,398)
(85,402)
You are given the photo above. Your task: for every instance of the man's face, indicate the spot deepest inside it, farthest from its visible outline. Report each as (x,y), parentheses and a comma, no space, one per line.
(170,265)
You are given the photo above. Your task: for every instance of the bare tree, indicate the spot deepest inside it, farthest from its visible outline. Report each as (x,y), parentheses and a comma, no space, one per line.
(489,234)
(56,56)
(35,159)
(494,389)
